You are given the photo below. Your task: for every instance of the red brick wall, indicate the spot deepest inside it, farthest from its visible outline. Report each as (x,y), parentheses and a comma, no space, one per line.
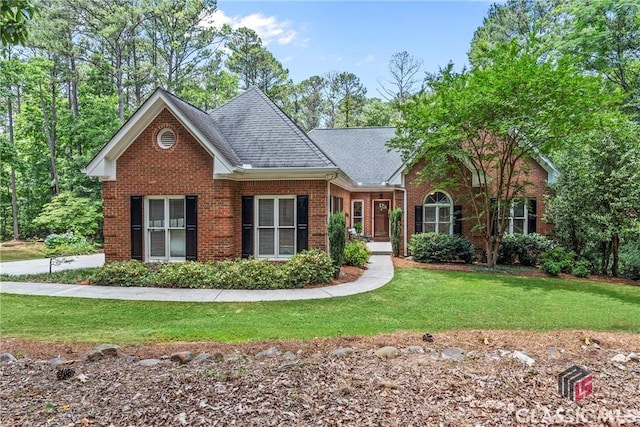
(146,169)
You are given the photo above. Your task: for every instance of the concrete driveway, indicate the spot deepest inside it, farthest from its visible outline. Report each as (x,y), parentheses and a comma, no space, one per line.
(35,266)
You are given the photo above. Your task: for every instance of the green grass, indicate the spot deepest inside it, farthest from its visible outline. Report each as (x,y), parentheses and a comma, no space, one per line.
(20,251)
(63,276)
(415,300)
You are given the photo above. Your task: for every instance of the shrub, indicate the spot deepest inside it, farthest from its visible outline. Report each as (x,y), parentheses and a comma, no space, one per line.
(69,212)
(524,248)
(630,261)
(557,258)
(435,247)
(308,268)
(337,239)
(123,273)
(67,244)
(395,217)
(581,269)
(356,253)
(184,275)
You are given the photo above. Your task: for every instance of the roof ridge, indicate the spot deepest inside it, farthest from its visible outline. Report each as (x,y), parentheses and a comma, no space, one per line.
(294,126)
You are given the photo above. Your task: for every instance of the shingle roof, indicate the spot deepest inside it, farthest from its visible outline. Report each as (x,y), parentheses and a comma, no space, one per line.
(261,135)
(361,153)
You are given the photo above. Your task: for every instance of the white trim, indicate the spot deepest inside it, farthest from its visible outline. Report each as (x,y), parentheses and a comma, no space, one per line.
(353,201)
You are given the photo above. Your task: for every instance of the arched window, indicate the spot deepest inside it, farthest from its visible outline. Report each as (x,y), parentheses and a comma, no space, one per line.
(438,213)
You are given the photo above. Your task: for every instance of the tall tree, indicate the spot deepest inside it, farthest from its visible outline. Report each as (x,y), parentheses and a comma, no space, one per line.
(403,80)
(483,125)
(310,103)
(14,19)
(349,93)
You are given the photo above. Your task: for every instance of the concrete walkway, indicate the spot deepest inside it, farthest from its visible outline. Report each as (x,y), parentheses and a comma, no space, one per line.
(378,273)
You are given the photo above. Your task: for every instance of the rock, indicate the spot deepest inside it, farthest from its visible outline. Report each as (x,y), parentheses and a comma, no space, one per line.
(149,362)
(112,350)
(182,357)
(7,357)
(620,358)
(427,338)
(230,357)
(415,349)
(434,354)
(57,361)
(554,353)
(218,357)
(203,357)
(493,355)
(181,418)
(634,357)
(523,358)
(387,352)
(453,353)
(94,355)
(289,356)
(341,352)
(132,359)
(268,353)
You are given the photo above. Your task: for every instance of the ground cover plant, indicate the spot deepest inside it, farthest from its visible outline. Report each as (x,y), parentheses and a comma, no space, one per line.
(415,300)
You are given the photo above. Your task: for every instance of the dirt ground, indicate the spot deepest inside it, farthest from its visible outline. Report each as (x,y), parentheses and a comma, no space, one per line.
(311,387)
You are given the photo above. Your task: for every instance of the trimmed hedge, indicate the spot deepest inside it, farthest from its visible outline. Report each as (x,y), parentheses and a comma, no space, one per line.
(305,268)
(436,247)
(523,248)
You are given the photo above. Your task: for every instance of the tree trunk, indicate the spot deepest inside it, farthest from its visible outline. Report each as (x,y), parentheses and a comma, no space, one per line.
(14,198)
(49,130)
(605,248)
(615,250)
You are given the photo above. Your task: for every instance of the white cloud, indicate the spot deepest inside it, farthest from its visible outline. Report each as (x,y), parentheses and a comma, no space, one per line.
(269,28)
(369,58)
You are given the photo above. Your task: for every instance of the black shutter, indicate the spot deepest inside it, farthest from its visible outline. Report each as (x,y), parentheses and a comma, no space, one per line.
(457,219)
(418,219)
(191,222)
(247,226)
(302,223)
(531,215)
(136,227)
(493,212)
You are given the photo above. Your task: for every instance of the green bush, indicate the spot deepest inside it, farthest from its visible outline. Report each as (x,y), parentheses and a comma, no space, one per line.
(308,268)
(395,220)
(123,273)
(67,244)
(581,269)
(184,275)
(356,253)
(630,261)
(523,248)
(337,239)
(70,212)
(557,258)
(435,247)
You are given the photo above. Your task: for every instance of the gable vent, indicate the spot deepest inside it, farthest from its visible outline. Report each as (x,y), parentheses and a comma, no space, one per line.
(166,138)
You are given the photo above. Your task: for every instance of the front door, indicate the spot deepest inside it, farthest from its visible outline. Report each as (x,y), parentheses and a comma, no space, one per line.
(381,218)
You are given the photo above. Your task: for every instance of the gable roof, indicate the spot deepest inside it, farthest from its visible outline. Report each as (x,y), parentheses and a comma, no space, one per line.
(361,153)
(263,136)
(248,132)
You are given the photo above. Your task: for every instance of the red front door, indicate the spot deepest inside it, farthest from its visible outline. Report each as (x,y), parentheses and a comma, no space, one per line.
(381,218)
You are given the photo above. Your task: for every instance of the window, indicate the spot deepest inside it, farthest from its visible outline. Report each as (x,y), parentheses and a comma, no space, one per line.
(522,216)
(438,213)
(357,212)
(166,231)
(276,226)
(336,204)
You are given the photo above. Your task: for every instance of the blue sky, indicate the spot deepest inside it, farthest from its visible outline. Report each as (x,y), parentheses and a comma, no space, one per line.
(314,37)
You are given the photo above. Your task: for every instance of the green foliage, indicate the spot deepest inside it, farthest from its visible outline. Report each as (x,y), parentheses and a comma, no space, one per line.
(522,248)
(308,267)
(124,273)
(581,269)
(356,253)
(67,244)
(14,18)
(305,268)
(630,260)
(437,247)
(337,239)
(557,260)
(358,227)
(69,212)
(395,219)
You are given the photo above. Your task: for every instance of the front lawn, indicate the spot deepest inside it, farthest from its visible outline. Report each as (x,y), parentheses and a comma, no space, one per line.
(19,251)
(415,300)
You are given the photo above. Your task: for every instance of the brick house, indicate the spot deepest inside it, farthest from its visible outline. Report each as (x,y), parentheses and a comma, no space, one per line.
(244,181)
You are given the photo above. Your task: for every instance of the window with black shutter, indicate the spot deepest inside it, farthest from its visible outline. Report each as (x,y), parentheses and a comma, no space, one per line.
(191,220)
(247,226)
(302,222)
(136,227)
